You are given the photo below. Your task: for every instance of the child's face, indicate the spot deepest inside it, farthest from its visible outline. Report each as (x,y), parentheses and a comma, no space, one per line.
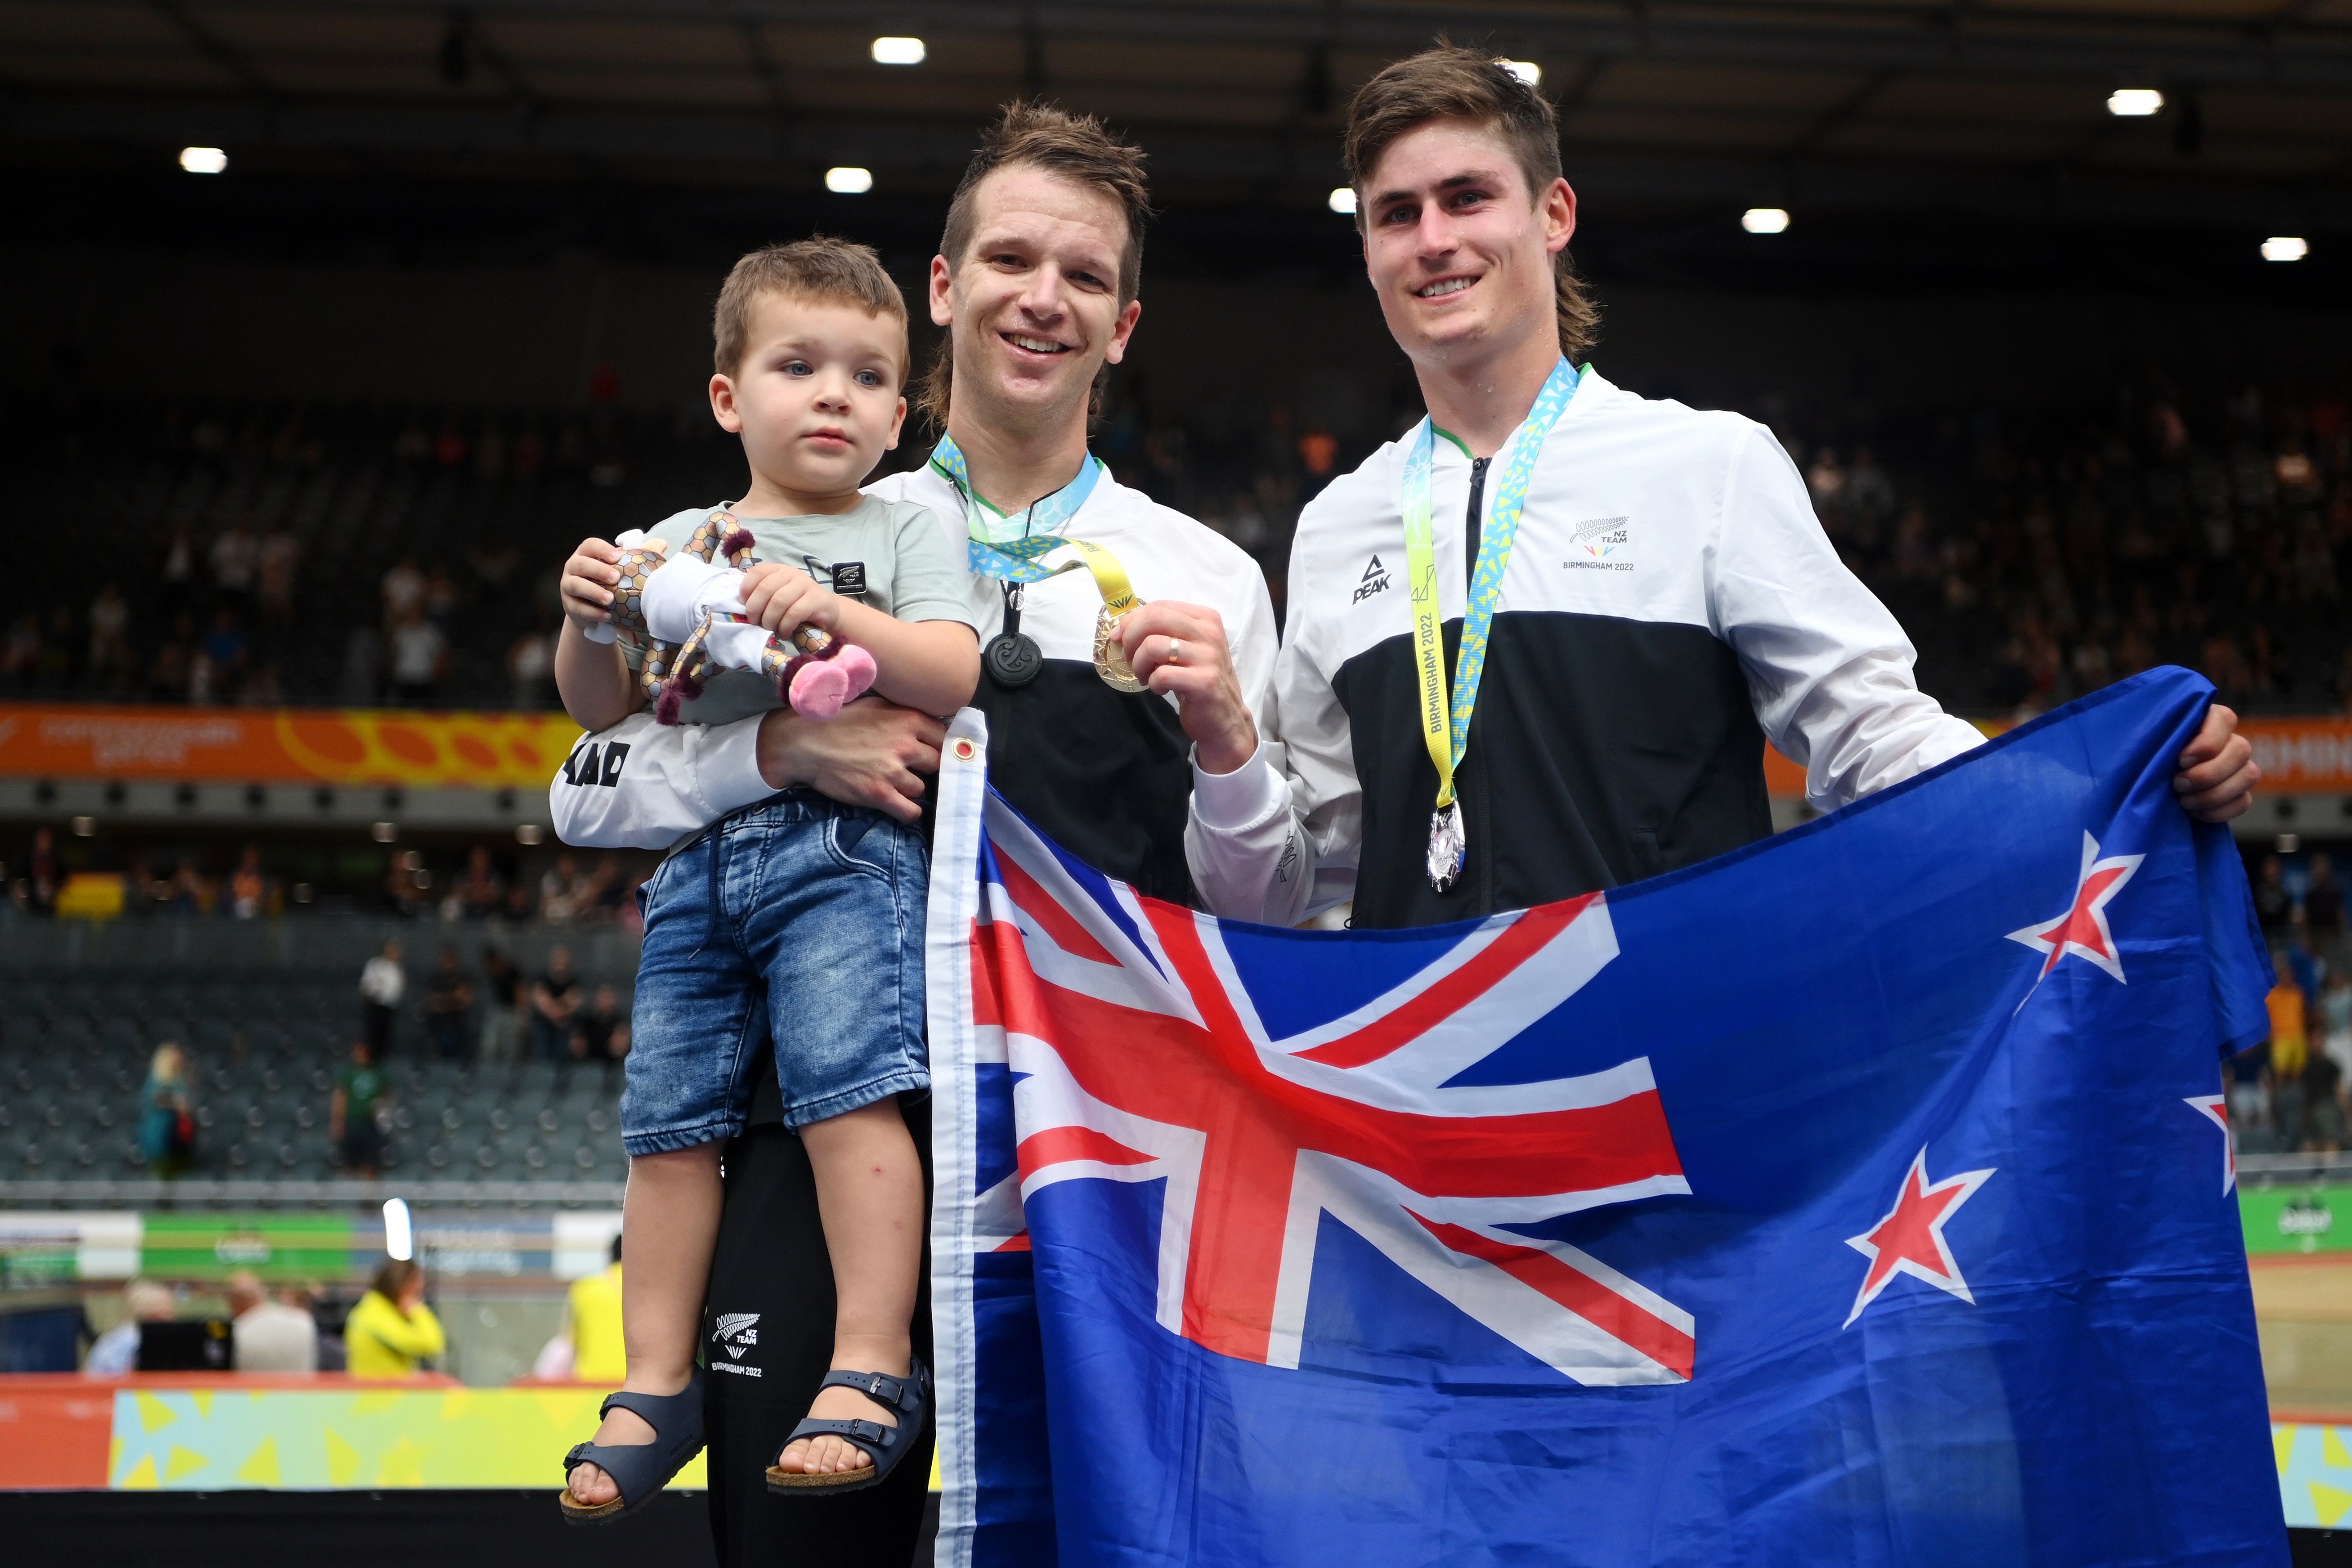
(816,395)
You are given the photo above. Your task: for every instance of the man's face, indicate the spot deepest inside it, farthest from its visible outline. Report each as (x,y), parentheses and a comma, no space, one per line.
(1458,251)
(1034,302)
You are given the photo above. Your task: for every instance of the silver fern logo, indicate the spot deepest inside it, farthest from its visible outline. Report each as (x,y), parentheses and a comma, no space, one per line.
(735,1333)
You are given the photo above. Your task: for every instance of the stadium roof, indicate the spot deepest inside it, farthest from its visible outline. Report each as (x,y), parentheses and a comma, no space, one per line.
(1975,107)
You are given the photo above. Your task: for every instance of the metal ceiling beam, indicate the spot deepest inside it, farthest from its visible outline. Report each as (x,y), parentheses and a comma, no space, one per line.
(927,156)
(2281,50)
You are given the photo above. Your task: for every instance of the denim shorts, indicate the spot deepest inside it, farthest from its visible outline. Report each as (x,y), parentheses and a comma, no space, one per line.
(798,921)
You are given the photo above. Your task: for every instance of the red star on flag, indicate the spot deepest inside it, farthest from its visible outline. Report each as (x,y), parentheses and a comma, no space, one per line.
(1910,1239)
(2216,1108)
(2083,929)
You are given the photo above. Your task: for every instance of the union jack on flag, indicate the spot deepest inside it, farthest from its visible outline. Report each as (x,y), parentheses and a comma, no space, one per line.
(1725,1218)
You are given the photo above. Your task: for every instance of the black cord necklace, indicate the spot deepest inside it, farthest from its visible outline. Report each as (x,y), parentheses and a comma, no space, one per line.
(1012,657)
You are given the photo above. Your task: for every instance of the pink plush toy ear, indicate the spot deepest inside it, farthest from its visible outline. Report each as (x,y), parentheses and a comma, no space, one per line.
(819,687)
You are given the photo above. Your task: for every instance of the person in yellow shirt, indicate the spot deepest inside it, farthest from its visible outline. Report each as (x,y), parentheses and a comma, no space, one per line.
(598,1354)
(392,1333)
(2290,1051)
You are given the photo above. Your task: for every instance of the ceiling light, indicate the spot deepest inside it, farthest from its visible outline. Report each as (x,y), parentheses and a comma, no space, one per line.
(2286,248)
(848,182)
(202,160)
(1765,220)
(1343,199)
(2135,102)
(1527,71)
(898,51)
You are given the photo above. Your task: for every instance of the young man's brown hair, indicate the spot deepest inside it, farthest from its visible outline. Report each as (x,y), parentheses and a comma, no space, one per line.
(820,270)
(1451,83)
(1075,146)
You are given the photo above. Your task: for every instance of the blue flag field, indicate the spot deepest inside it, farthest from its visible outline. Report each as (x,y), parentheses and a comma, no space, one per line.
(1862,1197)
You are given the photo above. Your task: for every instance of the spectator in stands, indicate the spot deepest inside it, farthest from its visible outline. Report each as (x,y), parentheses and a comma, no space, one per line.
(2244,1082)
(502,1019)
(2290,1048)
(381,984)
(177,569)
(600,1031)
(167,677)
(280,559)
(2273,901)
(553,1001)
(2323,1104)
(110,636)
(220,659)
(2322,913)
(593,1314)
(235,562)
(440,598)
(448,998)
(403,590)
(392,1333)
(420,657)
(20,656)
(355,1113)
(167,1119)
(2336,1019)
(248,889)
(269,1335)
(529,663)
(43,874)
(559,888)
(116,1352)
(478,891)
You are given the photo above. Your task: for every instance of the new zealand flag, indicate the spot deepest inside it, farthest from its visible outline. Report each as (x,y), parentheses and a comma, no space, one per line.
(1861,1198)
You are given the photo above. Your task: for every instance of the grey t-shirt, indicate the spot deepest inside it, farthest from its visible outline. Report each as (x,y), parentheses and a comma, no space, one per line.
(904,563)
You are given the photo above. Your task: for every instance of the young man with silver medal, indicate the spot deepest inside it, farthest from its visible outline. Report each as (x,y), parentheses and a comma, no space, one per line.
(1037,284)
(1574,687)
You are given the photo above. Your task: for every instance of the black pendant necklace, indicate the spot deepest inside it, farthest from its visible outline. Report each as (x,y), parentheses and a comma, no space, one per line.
(1012,657)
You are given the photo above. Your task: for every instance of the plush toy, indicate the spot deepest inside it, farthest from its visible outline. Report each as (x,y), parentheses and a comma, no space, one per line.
(687,614)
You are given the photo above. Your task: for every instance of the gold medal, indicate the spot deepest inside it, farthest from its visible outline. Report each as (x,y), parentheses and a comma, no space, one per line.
(1111,659)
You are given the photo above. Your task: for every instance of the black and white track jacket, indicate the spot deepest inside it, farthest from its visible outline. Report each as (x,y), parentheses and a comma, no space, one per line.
(1106,773)
(1670,602)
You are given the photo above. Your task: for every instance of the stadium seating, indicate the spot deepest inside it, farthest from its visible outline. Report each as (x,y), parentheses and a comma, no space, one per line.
(265,1049)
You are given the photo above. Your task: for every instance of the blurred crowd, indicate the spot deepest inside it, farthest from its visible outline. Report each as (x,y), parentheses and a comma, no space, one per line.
(354,560)
(2293,1092)
(191,883)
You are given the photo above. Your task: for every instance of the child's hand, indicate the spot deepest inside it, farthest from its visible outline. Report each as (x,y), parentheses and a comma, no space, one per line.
(588,580)
(782,598)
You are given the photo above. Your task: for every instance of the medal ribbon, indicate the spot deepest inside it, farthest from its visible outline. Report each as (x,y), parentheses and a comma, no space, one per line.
(1445,722)
(1011,546)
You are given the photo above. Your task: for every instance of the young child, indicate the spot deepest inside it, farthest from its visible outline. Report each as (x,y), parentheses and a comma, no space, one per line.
(799,920)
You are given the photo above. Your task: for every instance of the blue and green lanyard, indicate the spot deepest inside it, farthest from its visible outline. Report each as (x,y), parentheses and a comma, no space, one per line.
(1445,718)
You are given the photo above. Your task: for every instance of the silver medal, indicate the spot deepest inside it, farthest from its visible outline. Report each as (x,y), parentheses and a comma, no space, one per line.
(1447,846)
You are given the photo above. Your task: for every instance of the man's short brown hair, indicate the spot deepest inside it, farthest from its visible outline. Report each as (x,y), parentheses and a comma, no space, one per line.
(1451,83)
(1077,148)
(820,270)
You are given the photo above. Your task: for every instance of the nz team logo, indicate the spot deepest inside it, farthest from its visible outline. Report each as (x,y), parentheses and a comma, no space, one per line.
(1600,544)
(735,1332)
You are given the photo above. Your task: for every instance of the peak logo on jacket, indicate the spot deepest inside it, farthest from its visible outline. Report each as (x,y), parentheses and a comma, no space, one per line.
(1374,581)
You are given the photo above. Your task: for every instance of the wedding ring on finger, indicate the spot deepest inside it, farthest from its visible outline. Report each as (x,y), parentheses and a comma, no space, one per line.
(1175,650)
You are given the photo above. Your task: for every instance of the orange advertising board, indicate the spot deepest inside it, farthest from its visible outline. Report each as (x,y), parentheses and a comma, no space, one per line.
(284,746)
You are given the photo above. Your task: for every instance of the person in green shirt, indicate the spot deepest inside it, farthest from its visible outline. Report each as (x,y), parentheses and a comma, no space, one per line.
(352,1117)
